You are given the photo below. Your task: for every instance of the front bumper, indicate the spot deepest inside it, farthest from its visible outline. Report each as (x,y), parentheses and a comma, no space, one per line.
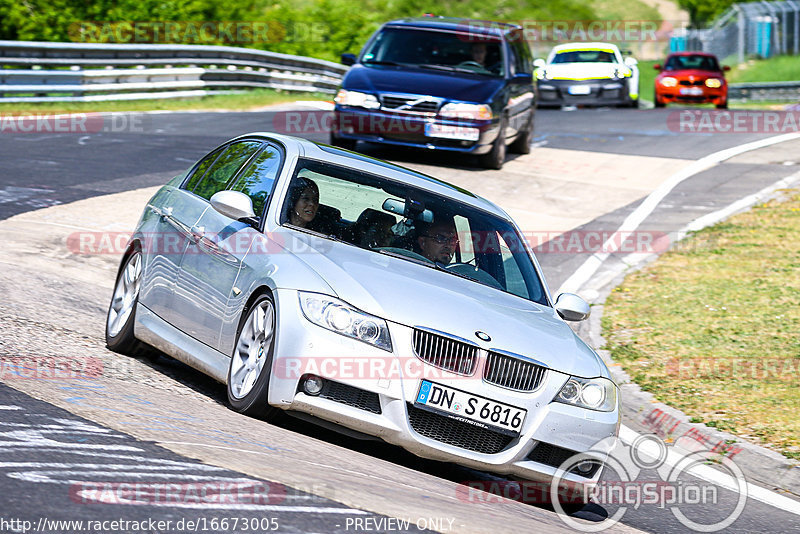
(412,130)
(377,390)
(610,91)
(693,95)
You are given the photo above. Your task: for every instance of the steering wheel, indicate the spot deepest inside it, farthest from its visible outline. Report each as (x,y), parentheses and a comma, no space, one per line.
(471,64)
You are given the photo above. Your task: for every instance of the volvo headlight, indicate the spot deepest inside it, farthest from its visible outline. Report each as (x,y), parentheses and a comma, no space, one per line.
(593,393)
(459,110)
(356,99)
(669,81)
(338,316)
(714,83)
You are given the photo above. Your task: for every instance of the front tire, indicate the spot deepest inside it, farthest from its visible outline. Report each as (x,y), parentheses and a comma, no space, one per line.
(497,155)
(522,144)
(122,309)
(251,361)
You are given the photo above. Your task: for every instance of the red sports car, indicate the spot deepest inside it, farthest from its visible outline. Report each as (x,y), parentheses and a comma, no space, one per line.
(691,77)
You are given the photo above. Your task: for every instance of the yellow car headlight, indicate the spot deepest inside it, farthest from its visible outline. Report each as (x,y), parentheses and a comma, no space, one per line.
(714,83)
(669,81)
(459,110)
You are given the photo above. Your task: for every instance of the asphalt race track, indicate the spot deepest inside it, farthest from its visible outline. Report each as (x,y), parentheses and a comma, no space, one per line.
(148,440)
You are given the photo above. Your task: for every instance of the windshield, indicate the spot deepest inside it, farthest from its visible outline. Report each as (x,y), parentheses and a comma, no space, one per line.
(395,219)
(692,62)
(436,49)
(584,56)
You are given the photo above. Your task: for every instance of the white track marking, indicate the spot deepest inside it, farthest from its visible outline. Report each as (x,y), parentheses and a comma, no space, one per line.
(704,472)
(632,221)
(707,220)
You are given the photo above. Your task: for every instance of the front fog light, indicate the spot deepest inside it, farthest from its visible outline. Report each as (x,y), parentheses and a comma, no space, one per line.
(585,467)
(313,385)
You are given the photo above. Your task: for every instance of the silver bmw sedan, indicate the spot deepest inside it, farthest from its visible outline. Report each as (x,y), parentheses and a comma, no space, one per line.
(355,292)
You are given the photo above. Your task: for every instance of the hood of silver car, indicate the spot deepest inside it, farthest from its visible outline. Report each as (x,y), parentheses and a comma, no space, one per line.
(415,295)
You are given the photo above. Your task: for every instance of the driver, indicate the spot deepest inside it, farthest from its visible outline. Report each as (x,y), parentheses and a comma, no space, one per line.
(479,53)
(438,241)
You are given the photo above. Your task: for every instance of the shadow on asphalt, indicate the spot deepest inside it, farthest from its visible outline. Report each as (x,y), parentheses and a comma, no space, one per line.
(376,448)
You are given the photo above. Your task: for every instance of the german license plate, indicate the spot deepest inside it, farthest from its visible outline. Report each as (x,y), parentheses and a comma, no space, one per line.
(579,90)
(445,131)
(692,91)
(466,406)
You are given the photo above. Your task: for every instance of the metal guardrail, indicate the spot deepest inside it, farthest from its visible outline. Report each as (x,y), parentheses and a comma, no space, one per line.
(765,91)
(44,71)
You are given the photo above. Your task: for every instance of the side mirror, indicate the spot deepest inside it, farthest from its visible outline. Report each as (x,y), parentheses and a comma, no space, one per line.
(631,61)
(571,307)
(348,59)
(523,77)
(539,63)
(233,204)
(726,68)
(657,66)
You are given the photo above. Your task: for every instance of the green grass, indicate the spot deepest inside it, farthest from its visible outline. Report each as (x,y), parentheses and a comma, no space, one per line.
(711,328)
(777,69)
(625,10)
(235,102)
(647,80)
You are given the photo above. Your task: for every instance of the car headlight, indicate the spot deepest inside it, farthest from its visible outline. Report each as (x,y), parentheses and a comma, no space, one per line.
(541,74)
(669,81)
(356,99)
(714,83)
(459,110)
(622,72)
(593,393)
(340,317)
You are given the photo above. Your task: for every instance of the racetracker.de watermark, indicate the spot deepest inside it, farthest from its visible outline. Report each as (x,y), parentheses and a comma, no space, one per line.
(73,123)
(50,367)
(188,32)
(552,31)
(708,121)
(755,368)
(211,493)
(541,242)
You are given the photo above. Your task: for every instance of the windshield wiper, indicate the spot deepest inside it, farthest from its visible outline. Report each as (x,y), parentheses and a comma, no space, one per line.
(453,68)
(377,62)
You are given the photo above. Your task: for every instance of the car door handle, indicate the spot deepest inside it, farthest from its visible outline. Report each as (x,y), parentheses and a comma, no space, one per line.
(198,233)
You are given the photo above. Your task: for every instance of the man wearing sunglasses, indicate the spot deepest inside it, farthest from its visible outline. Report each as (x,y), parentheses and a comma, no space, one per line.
(438,241)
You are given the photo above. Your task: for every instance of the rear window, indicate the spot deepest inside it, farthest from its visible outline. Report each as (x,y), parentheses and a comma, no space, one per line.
(585,56)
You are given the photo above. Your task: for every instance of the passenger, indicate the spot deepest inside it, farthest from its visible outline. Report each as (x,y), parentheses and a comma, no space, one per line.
(373,229)
(303,202)
(438,241)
